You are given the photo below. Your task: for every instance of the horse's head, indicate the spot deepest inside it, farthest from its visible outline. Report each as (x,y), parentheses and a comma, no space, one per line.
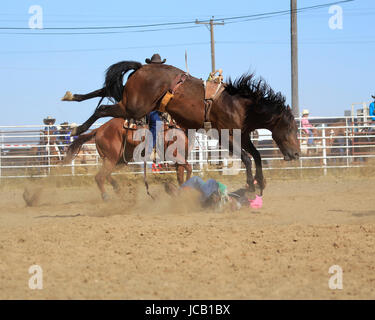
(284,132)
(266,109)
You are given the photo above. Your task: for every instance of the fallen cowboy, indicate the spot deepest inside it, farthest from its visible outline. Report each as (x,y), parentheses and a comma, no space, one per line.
(214,194)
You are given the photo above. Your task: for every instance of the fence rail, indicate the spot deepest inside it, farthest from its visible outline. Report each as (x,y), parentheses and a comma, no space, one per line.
(337,142)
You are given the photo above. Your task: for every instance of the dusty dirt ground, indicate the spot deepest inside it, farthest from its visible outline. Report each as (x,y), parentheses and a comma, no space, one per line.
(134,248)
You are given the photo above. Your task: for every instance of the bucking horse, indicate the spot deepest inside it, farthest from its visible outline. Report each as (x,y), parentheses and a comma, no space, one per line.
(247,103)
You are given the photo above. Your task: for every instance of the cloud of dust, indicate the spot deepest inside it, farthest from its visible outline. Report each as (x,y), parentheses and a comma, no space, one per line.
(32,195)
(136,201)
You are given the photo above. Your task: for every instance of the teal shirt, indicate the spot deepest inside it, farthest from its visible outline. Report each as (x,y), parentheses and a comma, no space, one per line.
(372,111)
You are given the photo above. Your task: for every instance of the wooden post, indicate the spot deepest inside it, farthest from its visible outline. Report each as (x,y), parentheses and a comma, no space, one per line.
(211,25)
(294,56)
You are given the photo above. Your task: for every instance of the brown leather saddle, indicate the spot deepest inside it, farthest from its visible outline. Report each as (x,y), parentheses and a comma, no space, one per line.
(212,90)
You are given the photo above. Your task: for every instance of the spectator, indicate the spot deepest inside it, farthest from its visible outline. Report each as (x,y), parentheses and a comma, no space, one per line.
(49,122)
(372,109)
(50,130)
(307,126)
(64,136)
(71,127)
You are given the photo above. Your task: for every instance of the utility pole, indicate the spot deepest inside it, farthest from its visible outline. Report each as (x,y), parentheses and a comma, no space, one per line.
(294,56)
(211,25)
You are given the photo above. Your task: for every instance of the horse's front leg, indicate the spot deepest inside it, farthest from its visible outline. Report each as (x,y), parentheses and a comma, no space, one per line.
(249,175)
(113,110)
(244,158)
(258,166)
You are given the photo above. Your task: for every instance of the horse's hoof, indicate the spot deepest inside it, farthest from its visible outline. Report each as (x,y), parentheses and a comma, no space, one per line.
(105,196)
(75,132)
(67,97)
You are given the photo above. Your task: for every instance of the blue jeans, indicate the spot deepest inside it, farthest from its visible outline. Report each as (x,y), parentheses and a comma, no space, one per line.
(310,141)
(205,188)
(155,126)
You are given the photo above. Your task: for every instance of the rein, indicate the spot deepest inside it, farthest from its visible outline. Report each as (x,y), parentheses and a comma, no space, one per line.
(125,140)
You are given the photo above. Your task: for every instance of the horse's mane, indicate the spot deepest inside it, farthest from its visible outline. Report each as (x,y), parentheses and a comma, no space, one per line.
(264,98)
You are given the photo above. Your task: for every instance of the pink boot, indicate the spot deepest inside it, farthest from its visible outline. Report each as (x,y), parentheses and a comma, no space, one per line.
(256,203)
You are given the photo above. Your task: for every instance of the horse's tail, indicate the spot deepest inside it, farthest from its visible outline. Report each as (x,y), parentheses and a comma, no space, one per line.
(114,77)
(76,145)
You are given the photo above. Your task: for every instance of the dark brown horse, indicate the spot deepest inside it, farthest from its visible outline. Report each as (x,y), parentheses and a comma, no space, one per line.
(246,104)
(109,139)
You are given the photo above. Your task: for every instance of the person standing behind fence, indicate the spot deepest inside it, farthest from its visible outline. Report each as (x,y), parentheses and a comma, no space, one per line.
(49,130)
(64,136)
(372,110)
(307,126)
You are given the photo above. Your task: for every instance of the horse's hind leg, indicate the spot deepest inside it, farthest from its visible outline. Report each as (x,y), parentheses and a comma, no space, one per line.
(114,183)
(100,93)
(102,175)
(113,110)
(180,170)
(189,170)
(100,179)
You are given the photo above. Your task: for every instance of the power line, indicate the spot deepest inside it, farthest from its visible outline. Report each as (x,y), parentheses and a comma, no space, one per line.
(105,49)
(286,12)
(275,42)
(98,32)
(317,42)
(231,20)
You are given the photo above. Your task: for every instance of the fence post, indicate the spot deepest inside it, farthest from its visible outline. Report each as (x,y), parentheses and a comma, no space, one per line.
(1,152)
(324,145)
(300,141)
(347,142)
(225,164)
(73,167)
(201,152)
(48,151)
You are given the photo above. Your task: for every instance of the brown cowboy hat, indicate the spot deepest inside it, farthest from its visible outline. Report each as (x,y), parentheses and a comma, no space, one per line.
(373,96)
(49,120)
(155,59)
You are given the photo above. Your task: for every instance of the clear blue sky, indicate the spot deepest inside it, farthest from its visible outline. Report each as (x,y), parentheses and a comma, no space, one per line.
(336,66)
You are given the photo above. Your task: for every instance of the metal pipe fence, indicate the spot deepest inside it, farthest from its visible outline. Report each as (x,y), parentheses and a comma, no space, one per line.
(334,142)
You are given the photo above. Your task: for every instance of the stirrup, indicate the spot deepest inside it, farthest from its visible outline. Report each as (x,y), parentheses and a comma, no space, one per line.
(153,155)
(207,125)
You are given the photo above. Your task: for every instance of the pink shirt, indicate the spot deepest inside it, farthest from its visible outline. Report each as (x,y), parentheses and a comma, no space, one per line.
(306,124)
